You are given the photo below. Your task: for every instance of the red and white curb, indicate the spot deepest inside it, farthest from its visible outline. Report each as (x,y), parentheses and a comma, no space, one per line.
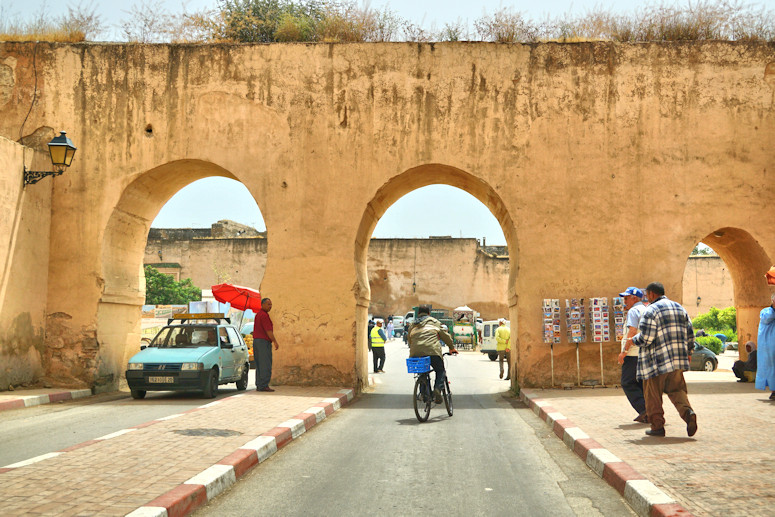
(641,494)
(46,398)
(209,483)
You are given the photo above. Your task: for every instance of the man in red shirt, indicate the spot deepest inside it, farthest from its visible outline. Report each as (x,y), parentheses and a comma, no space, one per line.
(263,337)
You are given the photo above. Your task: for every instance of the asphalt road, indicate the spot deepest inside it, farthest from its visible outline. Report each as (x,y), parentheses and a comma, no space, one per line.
(492,457)
(30,432)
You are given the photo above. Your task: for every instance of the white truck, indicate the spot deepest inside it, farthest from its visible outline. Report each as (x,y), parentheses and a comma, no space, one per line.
(489,346)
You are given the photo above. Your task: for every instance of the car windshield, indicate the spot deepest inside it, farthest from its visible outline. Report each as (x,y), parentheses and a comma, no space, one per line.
(184,336)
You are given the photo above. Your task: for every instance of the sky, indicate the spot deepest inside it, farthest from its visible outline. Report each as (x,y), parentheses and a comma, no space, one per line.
(443,210)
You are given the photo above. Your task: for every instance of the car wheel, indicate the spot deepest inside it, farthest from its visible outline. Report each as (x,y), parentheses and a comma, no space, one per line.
(138,394)
(242,383)
(708,365)
(492,356)
(210,389)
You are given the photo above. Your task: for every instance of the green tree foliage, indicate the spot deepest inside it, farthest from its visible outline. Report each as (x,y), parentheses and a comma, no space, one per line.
(702,249)
(710,342)
(161,289)
(717,321)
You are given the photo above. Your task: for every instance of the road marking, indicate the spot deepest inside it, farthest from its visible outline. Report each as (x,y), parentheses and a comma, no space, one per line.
(32,460)
(116,434)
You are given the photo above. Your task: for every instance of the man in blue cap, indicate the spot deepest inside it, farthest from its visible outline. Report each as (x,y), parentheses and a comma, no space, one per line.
(628,357)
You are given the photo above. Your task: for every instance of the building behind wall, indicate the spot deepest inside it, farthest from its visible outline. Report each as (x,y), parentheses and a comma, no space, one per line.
(443,271)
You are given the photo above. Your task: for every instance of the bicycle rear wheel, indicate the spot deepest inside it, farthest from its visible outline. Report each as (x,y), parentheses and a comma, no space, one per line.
(422,397)
(447,397)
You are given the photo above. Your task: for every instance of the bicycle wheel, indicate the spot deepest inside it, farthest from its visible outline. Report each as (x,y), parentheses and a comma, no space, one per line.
(422,397)
(447,397)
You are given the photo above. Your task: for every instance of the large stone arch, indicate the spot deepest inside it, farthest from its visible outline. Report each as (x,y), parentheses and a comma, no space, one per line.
(392,191)
(747,262)
(123,289)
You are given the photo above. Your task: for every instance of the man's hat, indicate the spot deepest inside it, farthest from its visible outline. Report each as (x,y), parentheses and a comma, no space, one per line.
(632,291)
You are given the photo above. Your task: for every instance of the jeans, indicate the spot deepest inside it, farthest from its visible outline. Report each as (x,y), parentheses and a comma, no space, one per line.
(262,352)
(631,386)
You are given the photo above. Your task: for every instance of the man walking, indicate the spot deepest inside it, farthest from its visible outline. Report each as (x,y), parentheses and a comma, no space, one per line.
(378,339)
(665,338)
(765,374)
(628,358)
(502,337)
(263,337)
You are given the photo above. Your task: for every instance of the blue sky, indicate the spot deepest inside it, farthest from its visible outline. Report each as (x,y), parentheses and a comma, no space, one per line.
(444,210)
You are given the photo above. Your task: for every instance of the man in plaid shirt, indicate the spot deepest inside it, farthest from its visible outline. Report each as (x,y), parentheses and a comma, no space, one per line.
(665,339)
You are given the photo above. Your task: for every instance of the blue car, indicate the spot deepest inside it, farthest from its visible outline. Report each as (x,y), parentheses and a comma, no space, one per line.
(197,352)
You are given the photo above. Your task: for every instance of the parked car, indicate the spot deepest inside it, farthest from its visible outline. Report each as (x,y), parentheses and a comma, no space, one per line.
(398,326)
(197,352)
(703,359)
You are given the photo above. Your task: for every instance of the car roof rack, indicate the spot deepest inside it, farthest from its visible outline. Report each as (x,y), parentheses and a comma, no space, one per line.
(186,317)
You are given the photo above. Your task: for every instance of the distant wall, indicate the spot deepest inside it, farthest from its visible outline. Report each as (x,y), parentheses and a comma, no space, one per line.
(24,252)
(446,272)
(707,283)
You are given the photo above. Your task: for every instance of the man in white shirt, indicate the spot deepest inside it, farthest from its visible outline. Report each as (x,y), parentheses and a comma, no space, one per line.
(628,358)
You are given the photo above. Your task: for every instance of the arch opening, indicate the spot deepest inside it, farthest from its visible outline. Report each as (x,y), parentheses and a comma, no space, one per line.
(385,197)
(119,312)
(739,260)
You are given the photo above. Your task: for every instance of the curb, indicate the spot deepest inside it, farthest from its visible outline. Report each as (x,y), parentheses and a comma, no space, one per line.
(641,494)
(46,398)
(208,484)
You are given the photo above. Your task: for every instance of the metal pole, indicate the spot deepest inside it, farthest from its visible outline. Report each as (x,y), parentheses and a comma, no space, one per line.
(602,381)
(578,366)
(552,357)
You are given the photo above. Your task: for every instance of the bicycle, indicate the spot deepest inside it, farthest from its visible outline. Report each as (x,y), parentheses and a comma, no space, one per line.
(423,392)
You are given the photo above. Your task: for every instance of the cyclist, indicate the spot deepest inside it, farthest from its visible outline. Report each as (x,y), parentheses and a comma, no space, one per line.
(425,338)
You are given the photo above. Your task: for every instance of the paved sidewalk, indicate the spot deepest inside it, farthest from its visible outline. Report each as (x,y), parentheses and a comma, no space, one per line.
(168,466)
(35,397)
(725,469)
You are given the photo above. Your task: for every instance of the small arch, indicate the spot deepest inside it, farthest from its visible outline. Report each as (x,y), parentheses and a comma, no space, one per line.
(386,196)
(123,247)
(747,263)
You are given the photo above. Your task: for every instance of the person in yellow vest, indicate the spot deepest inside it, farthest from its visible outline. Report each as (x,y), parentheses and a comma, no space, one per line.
(378,339)
(502,337)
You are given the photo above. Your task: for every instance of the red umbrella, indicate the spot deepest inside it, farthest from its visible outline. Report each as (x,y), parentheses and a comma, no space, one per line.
(239,297)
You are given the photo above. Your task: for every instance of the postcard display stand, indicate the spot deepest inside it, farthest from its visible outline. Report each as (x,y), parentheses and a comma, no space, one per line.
(552,334)
(601,331)
(576,324)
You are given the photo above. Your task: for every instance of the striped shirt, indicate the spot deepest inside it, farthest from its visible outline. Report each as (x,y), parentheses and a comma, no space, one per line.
(665,339)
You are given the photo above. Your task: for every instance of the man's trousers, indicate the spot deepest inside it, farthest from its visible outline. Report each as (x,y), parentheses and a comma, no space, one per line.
(674,385)
(631,386)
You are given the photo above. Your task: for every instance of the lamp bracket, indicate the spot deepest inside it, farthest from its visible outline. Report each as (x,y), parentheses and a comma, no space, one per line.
(31,177)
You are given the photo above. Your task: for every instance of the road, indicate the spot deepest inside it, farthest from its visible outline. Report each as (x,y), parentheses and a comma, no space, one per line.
(493,457)
(30,432)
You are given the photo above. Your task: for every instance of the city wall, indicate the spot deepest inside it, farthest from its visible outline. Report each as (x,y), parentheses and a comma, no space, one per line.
(604,164)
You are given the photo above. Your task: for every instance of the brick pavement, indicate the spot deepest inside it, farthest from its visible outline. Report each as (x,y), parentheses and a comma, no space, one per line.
(725,469)
(118,473)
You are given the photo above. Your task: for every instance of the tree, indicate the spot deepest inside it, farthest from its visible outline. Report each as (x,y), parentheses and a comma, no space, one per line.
(161,289)
(718,321)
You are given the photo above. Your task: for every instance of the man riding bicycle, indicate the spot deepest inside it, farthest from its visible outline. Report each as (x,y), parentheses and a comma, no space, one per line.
(424,340)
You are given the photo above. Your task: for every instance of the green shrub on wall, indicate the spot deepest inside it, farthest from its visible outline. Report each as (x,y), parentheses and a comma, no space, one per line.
(710,342)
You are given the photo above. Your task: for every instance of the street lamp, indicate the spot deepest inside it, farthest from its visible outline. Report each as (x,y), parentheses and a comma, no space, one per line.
(62,150)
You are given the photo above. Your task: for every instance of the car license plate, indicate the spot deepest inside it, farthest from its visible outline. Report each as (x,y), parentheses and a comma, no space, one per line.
(161,379)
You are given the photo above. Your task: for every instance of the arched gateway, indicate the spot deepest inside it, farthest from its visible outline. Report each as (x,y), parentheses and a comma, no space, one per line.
(609,161)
